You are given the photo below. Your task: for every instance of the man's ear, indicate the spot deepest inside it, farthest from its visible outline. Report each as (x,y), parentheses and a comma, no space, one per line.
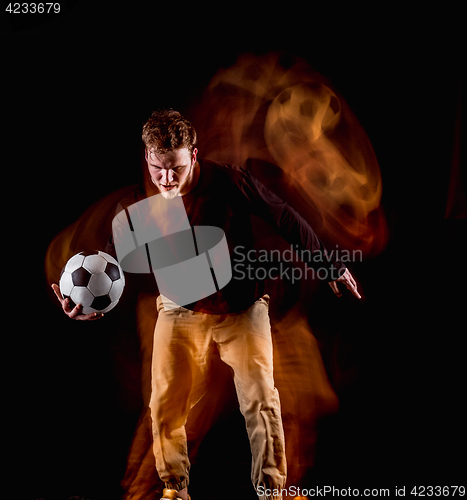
(146,154)
(194,156)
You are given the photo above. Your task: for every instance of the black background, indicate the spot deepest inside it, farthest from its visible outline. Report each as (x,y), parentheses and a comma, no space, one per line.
(77,90)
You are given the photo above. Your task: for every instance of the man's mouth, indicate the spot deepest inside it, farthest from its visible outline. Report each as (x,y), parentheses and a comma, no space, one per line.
(168,188)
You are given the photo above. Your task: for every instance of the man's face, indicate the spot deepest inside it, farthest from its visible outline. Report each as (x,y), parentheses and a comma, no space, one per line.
(172,172)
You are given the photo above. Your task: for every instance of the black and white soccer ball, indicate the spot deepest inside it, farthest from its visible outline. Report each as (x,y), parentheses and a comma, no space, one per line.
(93,279)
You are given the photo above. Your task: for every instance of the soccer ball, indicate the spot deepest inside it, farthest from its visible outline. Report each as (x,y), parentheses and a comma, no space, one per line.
(93,279)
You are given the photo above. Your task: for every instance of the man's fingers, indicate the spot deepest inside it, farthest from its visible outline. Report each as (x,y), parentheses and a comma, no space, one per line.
(76,311)
(335,288)
(89,317)
(348,280)
(94,316)
(76,314)
(57,292)
(68,310)
(353,289)
(350,283)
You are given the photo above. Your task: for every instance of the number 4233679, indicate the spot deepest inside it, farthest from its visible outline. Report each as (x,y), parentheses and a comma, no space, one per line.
(33,8)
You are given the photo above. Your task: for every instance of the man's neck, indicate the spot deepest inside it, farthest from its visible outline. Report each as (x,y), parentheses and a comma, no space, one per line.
(192,181)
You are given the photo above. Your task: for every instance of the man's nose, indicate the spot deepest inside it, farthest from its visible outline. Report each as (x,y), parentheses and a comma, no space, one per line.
(168,176)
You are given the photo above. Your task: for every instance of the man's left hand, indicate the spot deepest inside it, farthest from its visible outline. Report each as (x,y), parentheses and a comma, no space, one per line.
(348,280)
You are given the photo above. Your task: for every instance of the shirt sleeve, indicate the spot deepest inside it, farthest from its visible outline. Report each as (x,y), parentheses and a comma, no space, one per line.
(132,197)
(290,225)
(110,247)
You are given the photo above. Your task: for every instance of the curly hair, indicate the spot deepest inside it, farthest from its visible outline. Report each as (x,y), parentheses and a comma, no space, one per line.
(167,130)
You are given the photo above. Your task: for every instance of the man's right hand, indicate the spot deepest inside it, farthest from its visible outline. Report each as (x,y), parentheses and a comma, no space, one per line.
(74,313)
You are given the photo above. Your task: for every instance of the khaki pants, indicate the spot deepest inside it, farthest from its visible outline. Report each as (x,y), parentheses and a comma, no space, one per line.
(183,344)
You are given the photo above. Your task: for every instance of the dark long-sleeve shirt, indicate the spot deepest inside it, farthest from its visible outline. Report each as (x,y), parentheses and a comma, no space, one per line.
(225,197)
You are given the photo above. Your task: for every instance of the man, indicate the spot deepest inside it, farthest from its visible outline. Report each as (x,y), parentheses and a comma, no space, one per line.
(233,321)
